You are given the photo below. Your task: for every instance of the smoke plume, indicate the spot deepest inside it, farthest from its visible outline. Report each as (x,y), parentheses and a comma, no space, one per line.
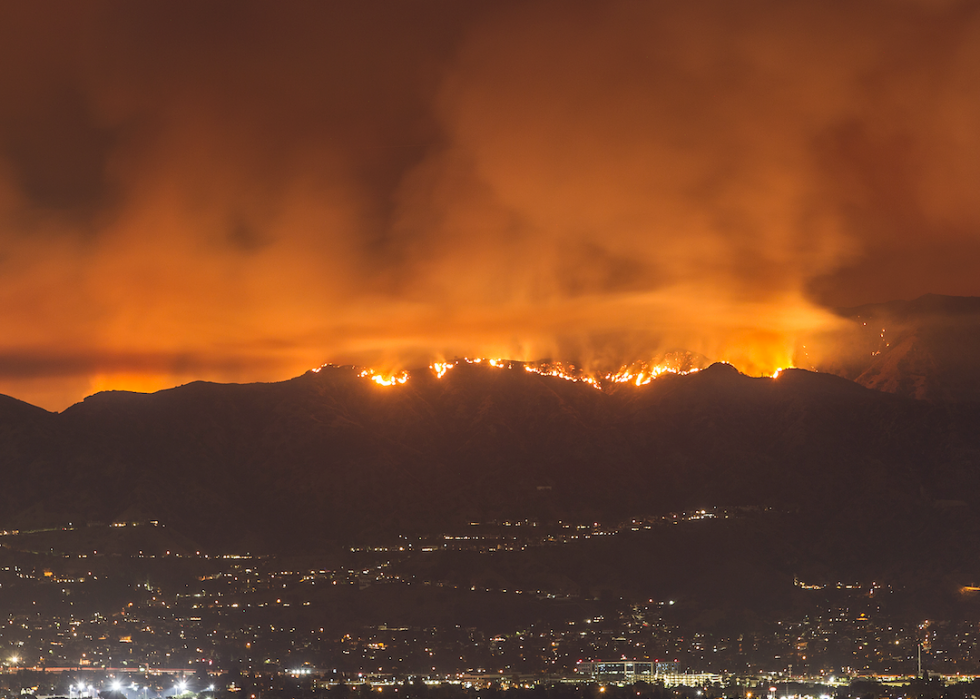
(242,191)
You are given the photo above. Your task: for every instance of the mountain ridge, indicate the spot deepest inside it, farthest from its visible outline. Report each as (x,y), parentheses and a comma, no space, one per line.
(331,455)
(927,351)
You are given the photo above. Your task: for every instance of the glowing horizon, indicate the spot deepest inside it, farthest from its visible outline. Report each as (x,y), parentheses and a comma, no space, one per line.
(636,373)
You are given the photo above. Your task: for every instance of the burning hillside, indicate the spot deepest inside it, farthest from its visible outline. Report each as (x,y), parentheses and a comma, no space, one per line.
(637,373)
(924,349)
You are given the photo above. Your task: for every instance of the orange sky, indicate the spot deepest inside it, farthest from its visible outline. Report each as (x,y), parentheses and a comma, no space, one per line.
(242,191)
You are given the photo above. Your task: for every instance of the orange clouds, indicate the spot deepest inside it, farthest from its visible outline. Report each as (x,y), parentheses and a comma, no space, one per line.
(241,192)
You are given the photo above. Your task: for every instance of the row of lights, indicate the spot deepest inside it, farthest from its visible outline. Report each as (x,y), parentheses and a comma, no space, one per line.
(84,690)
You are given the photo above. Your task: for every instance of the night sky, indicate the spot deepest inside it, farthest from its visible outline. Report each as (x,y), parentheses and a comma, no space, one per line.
(242,191)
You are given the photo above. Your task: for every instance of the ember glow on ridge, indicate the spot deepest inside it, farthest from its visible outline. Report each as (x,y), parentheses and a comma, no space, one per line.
(637,373)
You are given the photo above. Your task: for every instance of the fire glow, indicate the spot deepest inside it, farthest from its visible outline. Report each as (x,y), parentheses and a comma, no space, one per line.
(645,375)
(440,368)
(637,373)
(385,379)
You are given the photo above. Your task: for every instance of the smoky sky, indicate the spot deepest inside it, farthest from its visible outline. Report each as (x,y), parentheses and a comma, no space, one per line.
(242,191)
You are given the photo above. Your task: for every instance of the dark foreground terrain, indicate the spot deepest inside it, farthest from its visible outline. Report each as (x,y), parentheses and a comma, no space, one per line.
(728,521)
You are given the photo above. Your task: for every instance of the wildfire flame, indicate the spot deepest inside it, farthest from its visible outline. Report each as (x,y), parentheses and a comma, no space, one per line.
(645,375)
(638,373)
(383,379)
(642,373)
(440,368)
(560,371)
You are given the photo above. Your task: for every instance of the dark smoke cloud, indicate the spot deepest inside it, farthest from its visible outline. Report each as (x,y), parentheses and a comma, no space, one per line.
(242,191)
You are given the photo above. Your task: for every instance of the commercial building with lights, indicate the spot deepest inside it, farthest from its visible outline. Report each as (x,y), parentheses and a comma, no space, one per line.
(627,671)
(624,672)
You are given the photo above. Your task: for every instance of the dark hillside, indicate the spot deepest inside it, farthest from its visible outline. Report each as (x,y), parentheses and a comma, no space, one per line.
(330,457)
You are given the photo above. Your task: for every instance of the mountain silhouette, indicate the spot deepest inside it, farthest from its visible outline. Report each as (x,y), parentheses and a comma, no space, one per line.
(330,457)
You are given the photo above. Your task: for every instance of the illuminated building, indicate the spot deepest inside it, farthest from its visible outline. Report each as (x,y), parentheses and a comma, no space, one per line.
(629,671)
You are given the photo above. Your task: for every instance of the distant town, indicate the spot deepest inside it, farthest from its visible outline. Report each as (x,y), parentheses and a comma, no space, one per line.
(167,622)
